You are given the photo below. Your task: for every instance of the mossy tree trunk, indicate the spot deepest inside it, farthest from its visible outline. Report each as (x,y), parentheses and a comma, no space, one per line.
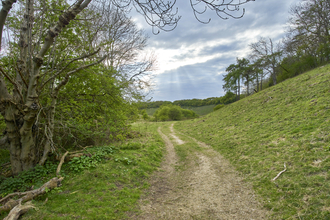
(20,106)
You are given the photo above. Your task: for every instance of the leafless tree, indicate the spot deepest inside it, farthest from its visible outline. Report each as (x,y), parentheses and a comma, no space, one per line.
(308,30)
(268,54)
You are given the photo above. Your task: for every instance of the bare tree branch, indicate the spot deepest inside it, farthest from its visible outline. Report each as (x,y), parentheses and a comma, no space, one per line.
(64,68)
(67,76)
(6,6)
(12,82)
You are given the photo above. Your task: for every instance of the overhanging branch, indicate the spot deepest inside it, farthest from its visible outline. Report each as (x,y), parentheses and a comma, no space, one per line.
(64,68)
(6,6)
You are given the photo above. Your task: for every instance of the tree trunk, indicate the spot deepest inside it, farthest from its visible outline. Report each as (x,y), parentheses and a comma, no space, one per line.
(257,82)
(274,75)
(239,89)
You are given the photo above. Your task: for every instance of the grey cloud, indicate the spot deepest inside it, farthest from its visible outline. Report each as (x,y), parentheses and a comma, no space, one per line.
(202,80)
(192,81)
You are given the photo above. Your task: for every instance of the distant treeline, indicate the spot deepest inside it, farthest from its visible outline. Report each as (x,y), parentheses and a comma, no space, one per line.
(305,46)
(229,97)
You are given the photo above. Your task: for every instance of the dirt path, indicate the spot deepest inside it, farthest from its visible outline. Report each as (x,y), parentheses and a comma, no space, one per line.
(204,186)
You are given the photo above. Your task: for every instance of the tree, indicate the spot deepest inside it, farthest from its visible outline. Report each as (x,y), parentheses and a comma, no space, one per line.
(268,56)
(52,46)
(258,74)
(246,72)
(232,80)
(312,19)
(236,72)
(307,44)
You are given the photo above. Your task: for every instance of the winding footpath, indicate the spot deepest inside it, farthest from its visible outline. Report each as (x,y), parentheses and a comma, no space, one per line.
(203,186)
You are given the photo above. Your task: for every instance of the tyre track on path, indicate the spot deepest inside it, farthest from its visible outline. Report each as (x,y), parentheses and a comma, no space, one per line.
(209,188)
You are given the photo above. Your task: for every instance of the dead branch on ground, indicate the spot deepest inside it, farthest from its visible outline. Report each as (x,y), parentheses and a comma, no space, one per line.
(19,210)
(51,184)
(58,170)
(279,173)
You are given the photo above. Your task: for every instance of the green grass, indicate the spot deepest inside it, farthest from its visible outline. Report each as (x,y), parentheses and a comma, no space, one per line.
(151,111)
(288,123)
(111,189)
(202,110)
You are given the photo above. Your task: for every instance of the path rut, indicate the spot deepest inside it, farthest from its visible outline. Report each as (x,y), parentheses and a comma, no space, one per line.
(208,187)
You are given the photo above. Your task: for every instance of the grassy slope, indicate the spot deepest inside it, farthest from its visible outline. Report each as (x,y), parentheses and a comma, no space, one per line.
(151,111)
(109,191)
(288,123)
(202,110)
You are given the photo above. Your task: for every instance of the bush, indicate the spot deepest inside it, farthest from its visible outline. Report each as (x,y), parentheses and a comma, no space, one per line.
(145,115)
(217,107)
(175,113)
(229,97)
(188,114)
(162,113)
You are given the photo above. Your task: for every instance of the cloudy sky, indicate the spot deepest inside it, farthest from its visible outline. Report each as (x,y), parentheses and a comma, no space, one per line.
(192,58)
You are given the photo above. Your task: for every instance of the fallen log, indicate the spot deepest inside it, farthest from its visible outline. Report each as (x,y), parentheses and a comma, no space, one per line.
(16,206)
(18,210)
(51,184)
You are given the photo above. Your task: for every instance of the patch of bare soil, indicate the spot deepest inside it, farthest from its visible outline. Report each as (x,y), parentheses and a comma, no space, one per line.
(208,189)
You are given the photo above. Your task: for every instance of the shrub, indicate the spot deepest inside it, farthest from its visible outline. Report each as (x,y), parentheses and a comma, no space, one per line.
(175,113)
(145,115)
(162,113)
(217,107)
(188,114)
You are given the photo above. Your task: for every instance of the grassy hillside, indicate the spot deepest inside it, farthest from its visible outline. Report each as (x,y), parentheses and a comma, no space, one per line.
(288,123)
(202,110)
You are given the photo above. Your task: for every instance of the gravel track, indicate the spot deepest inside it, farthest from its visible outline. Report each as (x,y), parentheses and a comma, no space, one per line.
(208,187)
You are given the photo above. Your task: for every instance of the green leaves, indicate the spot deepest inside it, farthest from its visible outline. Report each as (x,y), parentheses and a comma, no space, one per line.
(90,159)
(26,179)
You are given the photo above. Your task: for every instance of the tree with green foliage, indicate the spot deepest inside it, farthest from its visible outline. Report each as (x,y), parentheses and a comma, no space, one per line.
(36,71)
(246,72)
(258,74)
(228,98)
(236,73)
(232,80)
(175,113)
